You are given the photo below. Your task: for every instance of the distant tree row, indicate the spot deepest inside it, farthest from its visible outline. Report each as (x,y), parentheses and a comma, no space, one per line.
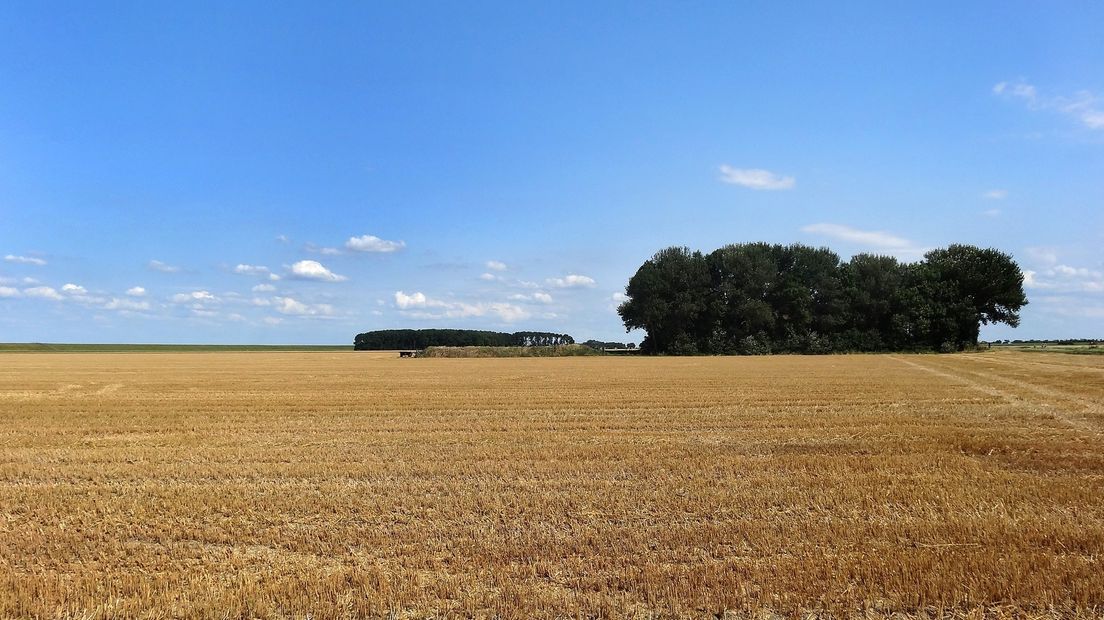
(759,298)
(598,344)
(392,339)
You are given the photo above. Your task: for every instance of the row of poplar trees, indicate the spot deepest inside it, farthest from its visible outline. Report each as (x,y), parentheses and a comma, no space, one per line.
(759,298)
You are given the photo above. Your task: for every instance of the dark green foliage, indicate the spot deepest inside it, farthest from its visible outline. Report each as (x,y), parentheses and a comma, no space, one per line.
(393,339)
(760,298)
(600,345)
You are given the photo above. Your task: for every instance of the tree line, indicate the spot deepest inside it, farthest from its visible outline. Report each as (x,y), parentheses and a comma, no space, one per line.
(759,298)
(392,339)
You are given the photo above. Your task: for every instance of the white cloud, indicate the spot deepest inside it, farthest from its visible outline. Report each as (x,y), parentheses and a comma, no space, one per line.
(329,251)
(371,243)
(42,292)
(264,288)
(572,281)
(292,307)
(539,297)
(755,178)
(1065,278)
(1083,106)
(182,298)
(490,277)
(157,265)
(136,291)
(24,260)
(417,305)
(9,292)
(261,302)
(283,238)
(314,270)
(495,265)
(74,289)
(252,270)
(126,304)
(995,194)
(404,301)
(872,238)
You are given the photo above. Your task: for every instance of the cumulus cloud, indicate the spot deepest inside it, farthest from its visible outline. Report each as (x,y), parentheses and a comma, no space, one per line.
(573,280)
(995,194)
(157,265)
(202,296)
(372,243)
(490,277)
(1082,106)
(136,291)
(74,289)
(755,178)
(7,292)
(495,265)
(418,305)
(293,307)
(264,288)
(314,270)
(24,260)
(42,292)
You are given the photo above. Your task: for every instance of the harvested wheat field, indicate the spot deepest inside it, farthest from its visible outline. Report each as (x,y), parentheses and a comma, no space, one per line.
(239,485)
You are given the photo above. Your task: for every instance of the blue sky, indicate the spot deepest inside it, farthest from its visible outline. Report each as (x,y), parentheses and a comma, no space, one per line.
(243,172)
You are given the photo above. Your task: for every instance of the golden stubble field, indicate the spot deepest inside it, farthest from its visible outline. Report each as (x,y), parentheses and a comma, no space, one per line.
(234,485)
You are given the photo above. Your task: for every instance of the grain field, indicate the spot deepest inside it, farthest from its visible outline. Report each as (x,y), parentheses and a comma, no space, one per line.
(342,484)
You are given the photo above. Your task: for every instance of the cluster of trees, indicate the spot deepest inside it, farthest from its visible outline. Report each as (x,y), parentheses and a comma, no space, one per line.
(599,345)
(759,298)
(392,339)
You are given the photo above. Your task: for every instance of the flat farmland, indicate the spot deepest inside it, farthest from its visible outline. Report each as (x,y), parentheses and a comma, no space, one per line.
(343,484)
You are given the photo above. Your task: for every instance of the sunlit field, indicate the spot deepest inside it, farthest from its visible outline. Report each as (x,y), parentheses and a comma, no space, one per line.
(342,484)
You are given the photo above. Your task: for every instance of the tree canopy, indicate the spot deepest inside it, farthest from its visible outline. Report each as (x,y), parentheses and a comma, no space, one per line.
(755,298)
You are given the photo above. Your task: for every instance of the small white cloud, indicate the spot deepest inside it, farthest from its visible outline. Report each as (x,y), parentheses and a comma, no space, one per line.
(261,302)
(572,281)
(42,292)
(1065,278)
(495,265)
(24,260)
(293,307)
(991,212)
(1083,106)
(371,243)
(252,270)
(995,194)
(404,301)
(872,238)
(127,305)
(283,238)
(136,291)
(542,297)
(157,265)
(30,281)
(419,306)
(264,288)
(7,292)
(489,277)
(329,251)
(755,178)
(314,270)
(182,298)
(74,289)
